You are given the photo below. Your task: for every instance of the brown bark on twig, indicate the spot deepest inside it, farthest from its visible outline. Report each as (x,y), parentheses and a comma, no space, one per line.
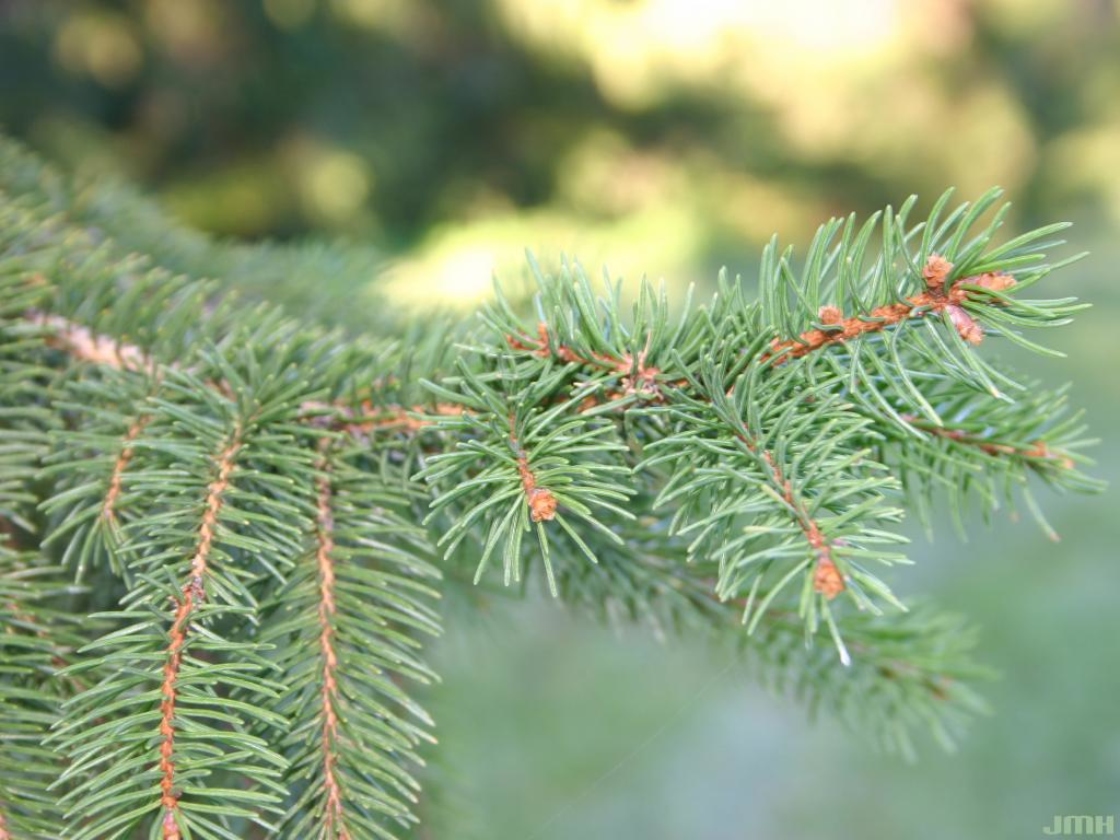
(193,594)
(335,826)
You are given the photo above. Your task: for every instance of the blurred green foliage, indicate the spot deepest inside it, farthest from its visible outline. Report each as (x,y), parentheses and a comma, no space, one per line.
(656,135)
(660,136)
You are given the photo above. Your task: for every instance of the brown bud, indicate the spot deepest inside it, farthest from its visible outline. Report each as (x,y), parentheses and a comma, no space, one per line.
(827,579)
(969,330)
(829,315)
(936,271)
(542,504)
(994,281)
(1040,450)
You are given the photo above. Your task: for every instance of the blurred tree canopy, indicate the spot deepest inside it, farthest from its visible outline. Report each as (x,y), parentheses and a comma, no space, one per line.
(666,136)
(656,134)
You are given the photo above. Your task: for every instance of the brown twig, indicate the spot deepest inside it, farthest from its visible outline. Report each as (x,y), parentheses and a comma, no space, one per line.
(935,299)
(827,578)
(541,501)
(87,345)
(335,827)
(193,594)
(638,377)
(370,418)
(116,479)
(1036,450)
(81,343)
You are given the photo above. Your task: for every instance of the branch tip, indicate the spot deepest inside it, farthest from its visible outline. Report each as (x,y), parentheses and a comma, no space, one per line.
(936,298)
(541,501)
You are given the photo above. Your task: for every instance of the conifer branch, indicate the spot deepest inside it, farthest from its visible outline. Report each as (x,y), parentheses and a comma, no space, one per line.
(355,600)
(92,348)
(255,486)
(913,663)
(193,594)
(1036,452)
(935,300)
(35,643)
(638,378)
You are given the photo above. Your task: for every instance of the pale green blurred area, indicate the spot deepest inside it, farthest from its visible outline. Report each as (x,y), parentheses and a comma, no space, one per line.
(662,138)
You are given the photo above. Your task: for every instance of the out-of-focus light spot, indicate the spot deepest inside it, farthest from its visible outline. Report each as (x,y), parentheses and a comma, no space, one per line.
(396,17)
(455,266)
(289,14)
(335,184)
(937,28)
(466,274)
(455,274)
(103,46)
(639,51)
(820,24)
(366,13)
(192,31)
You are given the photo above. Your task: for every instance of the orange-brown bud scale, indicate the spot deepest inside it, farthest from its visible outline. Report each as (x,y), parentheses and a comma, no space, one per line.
(827,579)
(994,281)
(936,271)
(542,504)
(966,327)
(830,315)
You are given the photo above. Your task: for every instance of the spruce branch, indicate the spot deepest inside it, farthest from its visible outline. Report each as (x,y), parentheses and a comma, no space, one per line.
(191,599)
(359,597)
(626,373)
(940,298)
(250,504)
(175,670)
(37,642)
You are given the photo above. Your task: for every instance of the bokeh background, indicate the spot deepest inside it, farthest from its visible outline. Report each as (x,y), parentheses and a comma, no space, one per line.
(664,138)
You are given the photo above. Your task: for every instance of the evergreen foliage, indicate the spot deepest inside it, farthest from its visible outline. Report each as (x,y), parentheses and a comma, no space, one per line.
(222,527)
